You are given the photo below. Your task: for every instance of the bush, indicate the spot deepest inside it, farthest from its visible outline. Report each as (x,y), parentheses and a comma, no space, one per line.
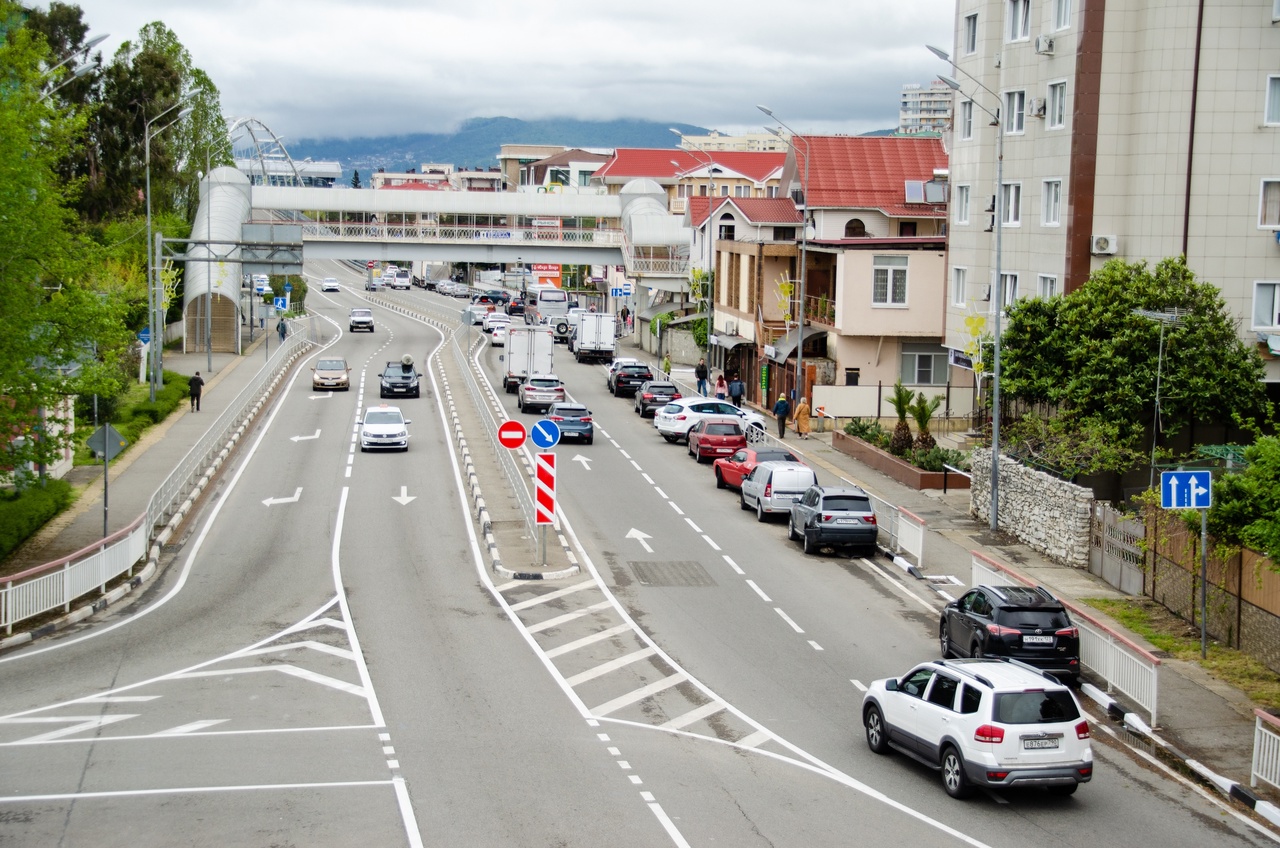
(936,457)
(869,431)
(25,511)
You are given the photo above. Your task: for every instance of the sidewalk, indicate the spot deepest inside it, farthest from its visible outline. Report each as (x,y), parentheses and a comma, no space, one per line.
(1204,720)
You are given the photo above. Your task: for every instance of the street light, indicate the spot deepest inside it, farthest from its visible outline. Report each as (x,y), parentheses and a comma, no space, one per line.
(153,281)
(804,244)
(82,50)
(1165,317)
(954,85)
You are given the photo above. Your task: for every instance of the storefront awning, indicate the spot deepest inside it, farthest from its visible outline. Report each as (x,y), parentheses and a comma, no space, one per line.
(729,342)
(785,346)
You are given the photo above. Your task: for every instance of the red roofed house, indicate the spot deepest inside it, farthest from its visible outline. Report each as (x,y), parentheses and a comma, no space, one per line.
(875,283)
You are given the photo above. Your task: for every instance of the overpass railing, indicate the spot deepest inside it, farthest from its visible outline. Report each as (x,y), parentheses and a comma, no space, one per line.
(587,237)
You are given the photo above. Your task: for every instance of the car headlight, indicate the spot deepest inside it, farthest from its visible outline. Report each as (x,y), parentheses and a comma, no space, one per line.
(385,384)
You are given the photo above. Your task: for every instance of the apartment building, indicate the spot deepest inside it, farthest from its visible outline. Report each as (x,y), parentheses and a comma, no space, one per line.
(1134,128)
(925,109)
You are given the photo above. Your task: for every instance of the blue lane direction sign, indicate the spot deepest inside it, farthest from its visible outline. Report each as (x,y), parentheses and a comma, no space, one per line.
(545,434)
(144,335)
(1186,489)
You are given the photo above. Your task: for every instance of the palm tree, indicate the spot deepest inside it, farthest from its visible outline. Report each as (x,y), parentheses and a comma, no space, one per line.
(922,411)
(900,400)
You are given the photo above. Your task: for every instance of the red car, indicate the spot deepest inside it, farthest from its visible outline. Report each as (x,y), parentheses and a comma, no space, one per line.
(731,469)
(713,437)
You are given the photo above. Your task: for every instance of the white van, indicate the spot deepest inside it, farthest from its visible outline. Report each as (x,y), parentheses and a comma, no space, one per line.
(549,305)
(774,486)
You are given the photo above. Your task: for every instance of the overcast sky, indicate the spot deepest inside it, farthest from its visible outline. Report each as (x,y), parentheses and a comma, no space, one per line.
(323,68)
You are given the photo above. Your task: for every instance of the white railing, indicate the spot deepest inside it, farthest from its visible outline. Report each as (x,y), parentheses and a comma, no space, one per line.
(56,584)
(872,401)
(1266,749)
(911,534)
(1123,665)
(589,237)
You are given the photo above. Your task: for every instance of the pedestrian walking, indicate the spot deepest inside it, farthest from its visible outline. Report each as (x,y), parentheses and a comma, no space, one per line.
(802,418)
(283,329)
(737,389)
(624,314)
(722,388)
(666,364)
(700,371)
(195,385)
(781,410)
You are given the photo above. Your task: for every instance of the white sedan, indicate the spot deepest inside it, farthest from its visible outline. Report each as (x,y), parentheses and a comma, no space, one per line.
(498,336)
(494,319)
(329,284)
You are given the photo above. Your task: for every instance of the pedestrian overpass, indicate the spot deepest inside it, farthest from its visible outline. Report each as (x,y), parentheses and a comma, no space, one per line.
(632,229)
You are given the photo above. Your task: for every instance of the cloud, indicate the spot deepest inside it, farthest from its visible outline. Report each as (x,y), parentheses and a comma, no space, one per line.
(337,69)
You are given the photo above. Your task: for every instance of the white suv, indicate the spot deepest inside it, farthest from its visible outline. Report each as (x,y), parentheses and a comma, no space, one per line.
(674,420)
(984,722)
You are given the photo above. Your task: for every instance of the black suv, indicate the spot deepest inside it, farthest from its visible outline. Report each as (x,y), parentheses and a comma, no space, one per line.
(515,306)
(627,379)
(1021,622)
(400,379)
(654,395)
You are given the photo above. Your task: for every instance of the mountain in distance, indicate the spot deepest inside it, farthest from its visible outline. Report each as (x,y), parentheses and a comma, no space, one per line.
(477,142)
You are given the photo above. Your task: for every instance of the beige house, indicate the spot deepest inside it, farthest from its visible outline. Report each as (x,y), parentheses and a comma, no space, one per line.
(1131,128)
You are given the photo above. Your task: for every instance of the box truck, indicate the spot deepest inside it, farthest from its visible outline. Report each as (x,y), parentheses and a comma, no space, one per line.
(530,350)
(594,337)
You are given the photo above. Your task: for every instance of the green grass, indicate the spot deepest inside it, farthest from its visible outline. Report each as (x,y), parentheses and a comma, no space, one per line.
(1181,640)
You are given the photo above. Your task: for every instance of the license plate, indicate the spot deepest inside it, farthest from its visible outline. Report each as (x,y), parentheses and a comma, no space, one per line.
(1039,744)
(1037,640)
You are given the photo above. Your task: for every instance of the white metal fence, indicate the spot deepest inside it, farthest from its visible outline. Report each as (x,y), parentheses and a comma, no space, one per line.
(56,584)
(911,534)
(1121,664)
(1266,749)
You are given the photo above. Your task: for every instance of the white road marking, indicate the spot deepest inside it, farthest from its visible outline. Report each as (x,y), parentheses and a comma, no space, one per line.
(635,778)
(614,752)
(787,619)
(694,527)
(694,715)
(623,764)
(669,826)
(566,618)
(636,466)
(586,462)
(197,790)
(661,493)
(192,727)
(815,645)
(551,596)
(294,671)
(613,665)
(404,497)
(406,812)
(117,699)
(640,694)
(733,564)
(859,685)
(294,499)
(82,723)
(710,542)
(946,597)
(307,438)
(647,478)
(760,592)
(588,640)
(625,455)
(641,537)
(755,739)
(676,507)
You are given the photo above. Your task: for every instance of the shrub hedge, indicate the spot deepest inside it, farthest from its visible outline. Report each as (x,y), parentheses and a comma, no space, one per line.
(24,511)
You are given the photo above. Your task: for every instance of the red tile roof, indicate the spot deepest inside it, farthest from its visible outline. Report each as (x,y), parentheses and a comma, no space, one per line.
(870,172)
(632,162)
(757,210)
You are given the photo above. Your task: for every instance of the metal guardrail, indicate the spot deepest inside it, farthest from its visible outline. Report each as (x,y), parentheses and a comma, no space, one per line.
(318,230)
(56,584)
(1123,665)
(1266,749)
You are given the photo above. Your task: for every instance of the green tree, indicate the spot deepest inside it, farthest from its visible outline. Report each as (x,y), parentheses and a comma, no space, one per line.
(922,409)
(355,179)
(1246,504)
(901,400)
(1092,358)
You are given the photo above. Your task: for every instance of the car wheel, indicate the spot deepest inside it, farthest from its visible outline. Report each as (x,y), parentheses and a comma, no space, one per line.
(791,529)
(976,651)
(1064,790)
(689,450)
(670,439)
(591,440)
(810,544)
(363,449)
(953,777)
(720,484)
(944,640)
(742,501)
(877,737)
(760,513)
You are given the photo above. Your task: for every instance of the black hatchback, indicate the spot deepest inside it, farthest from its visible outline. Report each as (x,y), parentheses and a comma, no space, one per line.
(1020,622)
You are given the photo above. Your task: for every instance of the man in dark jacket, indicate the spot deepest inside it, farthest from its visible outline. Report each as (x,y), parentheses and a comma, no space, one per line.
(736,390)
(781,410)
(700,371)
(196,386)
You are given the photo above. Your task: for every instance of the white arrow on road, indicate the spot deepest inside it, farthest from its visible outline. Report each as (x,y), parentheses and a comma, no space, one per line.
(586,461)
(272,501)
(640,537)
(320,397)
(305,438)
(405,497)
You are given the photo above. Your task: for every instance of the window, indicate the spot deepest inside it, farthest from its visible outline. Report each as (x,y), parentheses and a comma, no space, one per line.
(1275,10)
(962,204)
(1051,203)
(772,191)
(969,42)
(1015,111)
(742,191)
(1018,18)
(1061,14)
(943,691)
(784,233)
(959,277)
(923,364)
(682,190)
(907,229)
(1011,205)
(1269,213)
(966,119)
(1056,110)
(1272,116)
(889,280)
(1266,306)
(855,229)
(726,232)
(1048,286)
(970,699)
(1010,279)
(584,177)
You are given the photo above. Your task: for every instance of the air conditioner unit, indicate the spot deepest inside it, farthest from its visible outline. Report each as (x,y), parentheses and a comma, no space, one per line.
(730,328)
(1044,45)
(1037,107)
(996,63)
(1104,245)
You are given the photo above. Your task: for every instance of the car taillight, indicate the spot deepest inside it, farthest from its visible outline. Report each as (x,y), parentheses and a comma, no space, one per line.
(585,420)
(676,396)
(998,630)
(768,490)
(555,418)
(871,519)
(1069,632)
(682,418)
(647,396)
(826,518)
(1082,730)
(989,733)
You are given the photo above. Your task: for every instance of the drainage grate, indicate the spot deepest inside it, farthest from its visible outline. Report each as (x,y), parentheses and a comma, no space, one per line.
(679,573)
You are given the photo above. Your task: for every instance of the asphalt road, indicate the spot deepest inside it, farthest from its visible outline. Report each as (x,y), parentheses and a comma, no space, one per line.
(338,666)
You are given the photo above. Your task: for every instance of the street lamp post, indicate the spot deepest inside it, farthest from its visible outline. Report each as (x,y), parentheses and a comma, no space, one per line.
(804,248)
(1165,318)
(954,85)
(711,194)
(153,293)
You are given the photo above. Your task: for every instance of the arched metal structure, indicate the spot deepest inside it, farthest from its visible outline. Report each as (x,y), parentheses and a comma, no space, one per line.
(261,155)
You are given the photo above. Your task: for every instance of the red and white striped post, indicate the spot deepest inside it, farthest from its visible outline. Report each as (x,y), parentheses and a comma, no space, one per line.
(544,495)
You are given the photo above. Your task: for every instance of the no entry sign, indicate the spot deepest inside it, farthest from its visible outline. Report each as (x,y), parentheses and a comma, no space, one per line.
(511,434)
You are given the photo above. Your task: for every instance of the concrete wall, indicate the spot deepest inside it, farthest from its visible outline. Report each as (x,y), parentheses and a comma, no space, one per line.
(1043,511)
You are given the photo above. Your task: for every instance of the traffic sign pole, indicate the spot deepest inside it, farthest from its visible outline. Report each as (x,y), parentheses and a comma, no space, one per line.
(544,496)
(1193,490)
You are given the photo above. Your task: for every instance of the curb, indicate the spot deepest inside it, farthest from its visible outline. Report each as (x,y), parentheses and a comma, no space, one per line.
(1232,789)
